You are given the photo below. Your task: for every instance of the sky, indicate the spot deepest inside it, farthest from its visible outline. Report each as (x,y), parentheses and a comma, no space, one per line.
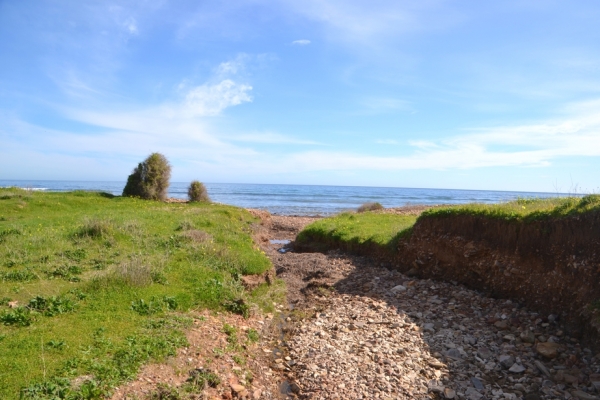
(427,94)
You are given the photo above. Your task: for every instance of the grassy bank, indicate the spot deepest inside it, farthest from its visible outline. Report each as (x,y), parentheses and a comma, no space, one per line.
(523,209)
(356,232)
(93,286)
(351,231)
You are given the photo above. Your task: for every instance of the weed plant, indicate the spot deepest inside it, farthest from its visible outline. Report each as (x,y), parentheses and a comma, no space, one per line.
(371,206)
(100,285)
(197,192)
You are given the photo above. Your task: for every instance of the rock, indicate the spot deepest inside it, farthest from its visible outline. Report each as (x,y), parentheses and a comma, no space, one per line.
(239,389)
(517,369)
(583,395)
(428,328)
(449,393)
(453,353)
(473,394)
(595,381)
(548,349)
(484,353)
(435,387)
(506,361)
(398,289)
(542,368)
(568,378)
(509,338)
(477,383)
(501,325)
(468,339)
(527,336)
(435,363)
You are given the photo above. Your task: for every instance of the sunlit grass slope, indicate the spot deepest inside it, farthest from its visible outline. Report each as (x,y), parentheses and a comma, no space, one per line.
(525,209)
(352,231)
(92,286)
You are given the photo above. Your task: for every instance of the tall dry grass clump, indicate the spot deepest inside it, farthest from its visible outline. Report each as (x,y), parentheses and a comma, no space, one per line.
(197,192)
(369,207)
(150,179)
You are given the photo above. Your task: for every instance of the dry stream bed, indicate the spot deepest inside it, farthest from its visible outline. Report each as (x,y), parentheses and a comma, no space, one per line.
(361,331)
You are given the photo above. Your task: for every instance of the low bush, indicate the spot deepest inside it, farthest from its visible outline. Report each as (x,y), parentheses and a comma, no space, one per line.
(150,179)
(197,192)
(369,207)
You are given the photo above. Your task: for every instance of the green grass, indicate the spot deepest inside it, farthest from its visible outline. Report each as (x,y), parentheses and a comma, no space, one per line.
(103,284)
(352,229)
(354,232)
(525,209)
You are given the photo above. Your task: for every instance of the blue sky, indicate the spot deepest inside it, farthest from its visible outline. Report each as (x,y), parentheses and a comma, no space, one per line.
(441,94)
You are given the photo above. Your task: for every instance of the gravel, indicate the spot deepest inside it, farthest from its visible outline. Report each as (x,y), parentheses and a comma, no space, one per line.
(371,332)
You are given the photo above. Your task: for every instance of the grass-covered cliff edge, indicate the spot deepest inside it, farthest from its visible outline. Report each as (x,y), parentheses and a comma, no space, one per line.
(93,286)
(540,252)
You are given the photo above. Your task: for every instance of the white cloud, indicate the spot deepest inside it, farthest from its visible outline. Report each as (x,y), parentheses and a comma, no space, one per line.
(210,100)
(301,42)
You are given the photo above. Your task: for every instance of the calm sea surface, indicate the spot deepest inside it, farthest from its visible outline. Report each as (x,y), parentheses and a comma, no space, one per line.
(299,199)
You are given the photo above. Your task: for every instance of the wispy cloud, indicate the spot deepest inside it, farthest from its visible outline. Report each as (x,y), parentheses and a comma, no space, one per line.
(194,144)
(377,105)
(301,42)
(387,141)
(358,22)
(270,138)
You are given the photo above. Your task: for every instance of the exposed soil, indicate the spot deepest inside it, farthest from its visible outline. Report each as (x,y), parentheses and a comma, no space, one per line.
(210,351)
(552,266)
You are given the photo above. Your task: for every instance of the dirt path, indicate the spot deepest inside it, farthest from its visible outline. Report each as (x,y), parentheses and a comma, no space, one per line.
(360,331)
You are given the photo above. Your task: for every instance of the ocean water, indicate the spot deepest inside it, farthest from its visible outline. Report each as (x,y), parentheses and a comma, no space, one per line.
(299,199)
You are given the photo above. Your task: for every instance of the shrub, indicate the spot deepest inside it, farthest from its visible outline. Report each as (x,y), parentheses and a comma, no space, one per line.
(150,179)
(197,192)
(369,207)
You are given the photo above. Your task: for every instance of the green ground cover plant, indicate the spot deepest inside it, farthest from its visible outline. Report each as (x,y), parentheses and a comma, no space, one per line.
(524,209)
(93,286)
(357,229)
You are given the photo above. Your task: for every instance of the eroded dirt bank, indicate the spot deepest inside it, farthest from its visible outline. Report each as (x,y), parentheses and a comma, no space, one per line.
(551,266)
(362,331)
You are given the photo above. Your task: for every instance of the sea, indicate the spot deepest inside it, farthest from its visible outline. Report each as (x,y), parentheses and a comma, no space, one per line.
(281,199)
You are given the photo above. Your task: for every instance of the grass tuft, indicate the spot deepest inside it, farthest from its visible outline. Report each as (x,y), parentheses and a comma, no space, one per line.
(369,207)
(95,229)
